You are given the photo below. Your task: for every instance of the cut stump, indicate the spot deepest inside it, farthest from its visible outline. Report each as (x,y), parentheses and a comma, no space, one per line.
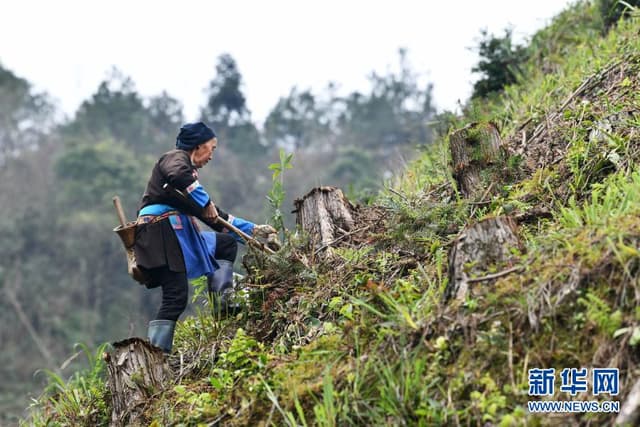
(478,247)
(136,371)
(630,412)
(325,214)
(473,148)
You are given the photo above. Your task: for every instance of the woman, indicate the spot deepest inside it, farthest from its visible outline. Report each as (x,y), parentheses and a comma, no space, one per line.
(170,248)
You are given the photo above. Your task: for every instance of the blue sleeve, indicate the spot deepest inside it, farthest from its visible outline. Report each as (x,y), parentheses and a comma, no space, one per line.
(244,226)
(198,193)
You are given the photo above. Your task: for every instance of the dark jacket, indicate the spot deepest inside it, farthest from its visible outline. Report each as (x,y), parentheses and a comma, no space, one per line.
(156,242)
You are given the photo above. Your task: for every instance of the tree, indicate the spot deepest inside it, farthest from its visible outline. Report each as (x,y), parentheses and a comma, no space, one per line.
(165,115)
(226,110)
(226,104)
(361,136)
(56,218)
(24,116)
(499,64)
(296,121)
(352,169)
(116,111)
(395,113)
(91,173)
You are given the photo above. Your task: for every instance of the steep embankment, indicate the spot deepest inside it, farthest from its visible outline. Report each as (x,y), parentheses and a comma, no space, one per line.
(362,334)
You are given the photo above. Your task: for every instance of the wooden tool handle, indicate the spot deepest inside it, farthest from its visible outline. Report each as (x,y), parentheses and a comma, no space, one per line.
(118,205)
(250,240)
(245,236)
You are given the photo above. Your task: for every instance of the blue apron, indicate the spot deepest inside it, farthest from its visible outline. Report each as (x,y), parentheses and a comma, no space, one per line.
(198,247)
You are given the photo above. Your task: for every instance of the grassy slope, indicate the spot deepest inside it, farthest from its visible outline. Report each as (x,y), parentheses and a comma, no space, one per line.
(363,338)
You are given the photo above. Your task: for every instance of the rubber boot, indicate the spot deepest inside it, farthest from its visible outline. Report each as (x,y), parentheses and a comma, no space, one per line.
(161,334)
(221,289)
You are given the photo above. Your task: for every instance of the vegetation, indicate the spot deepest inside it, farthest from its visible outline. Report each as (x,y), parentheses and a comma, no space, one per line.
(360,334)
(499,64)
(62,268)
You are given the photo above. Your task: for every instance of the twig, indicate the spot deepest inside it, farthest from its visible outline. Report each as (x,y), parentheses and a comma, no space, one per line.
(216,422)
(397,193)
(484,195)
(525,123)
(436,190)
(584,85)
(495,275)
(480,202)
(533,214)
(486,319)
(264,287)
(326,245)
(273,408)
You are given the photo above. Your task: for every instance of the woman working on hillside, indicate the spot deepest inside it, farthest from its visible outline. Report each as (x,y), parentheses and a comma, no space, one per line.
(170,248)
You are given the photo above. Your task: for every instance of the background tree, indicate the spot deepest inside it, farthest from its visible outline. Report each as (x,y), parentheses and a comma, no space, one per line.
(352,141)
(296,121)
(238,180)
(117,111)
(62,278)
(499,64)
(25,116)
(352,168)
(166,117)
(394,113)
(89,175)
(226,109)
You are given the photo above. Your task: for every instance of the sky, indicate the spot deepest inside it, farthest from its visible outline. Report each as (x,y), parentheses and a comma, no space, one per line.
(67,48)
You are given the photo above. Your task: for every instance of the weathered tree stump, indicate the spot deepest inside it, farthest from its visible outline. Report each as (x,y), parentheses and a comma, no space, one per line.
(473,148)
(136,370)
(324,213)
(478,247)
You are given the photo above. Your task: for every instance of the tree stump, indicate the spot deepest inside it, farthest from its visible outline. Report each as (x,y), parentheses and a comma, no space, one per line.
(478,247)
(630,412)
(473,148)
(136,371)
(324,213)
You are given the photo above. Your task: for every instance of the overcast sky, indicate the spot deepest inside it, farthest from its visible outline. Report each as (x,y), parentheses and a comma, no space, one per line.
(67,47)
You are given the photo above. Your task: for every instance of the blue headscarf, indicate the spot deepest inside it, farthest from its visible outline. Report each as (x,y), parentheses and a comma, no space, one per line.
(193,134)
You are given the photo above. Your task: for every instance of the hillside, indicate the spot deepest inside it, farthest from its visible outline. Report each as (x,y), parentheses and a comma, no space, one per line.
(370,332)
